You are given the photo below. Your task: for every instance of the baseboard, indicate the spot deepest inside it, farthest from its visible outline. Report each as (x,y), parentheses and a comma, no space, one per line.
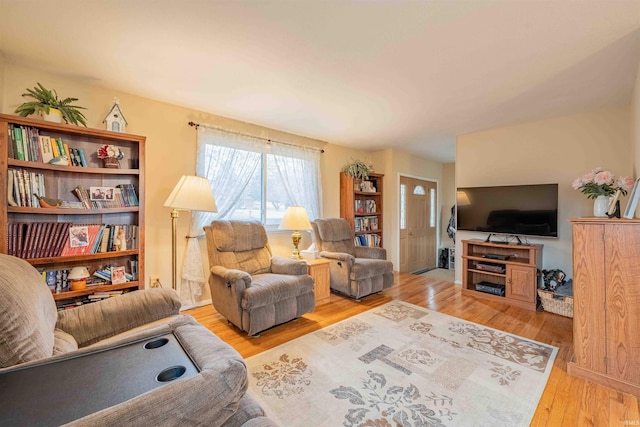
(458,282)
(196,305)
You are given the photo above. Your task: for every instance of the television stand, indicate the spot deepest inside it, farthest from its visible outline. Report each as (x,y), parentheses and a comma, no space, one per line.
(489,267)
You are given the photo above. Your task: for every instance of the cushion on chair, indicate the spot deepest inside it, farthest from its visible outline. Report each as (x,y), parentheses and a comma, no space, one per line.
(240,245)
(269,288)
(335,235)
(364,268)
(27,313)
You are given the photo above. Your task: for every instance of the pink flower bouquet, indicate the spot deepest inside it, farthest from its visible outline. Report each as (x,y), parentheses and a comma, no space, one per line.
(600,182)
(110,151)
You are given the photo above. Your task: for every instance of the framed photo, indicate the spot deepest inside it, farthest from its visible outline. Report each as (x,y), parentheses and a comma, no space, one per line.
(118,276)
(78,236)
(632,204)
(101,193)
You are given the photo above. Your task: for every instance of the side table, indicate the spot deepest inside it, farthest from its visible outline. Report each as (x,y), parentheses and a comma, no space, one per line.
(318,269)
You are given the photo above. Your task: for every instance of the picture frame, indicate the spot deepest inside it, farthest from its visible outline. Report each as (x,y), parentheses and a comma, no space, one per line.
(78,236)
(632,204)
(118,276)
(102,193)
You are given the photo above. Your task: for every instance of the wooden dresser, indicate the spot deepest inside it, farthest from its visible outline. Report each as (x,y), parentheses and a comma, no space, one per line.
(606,288)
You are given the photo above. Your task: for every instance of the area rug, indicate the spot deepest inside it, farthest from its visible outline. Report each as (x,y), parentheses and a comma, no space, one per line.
(402,365)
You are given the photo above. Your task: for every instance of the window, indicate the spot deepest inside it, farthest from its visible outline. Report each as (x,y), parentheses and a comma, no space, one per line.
(254,179)
(432,206)
(403,206)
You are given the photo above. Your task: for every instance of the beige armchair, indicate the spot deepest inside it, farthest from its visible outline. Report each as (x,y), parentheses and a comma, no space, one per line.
(251,288)
(356,271)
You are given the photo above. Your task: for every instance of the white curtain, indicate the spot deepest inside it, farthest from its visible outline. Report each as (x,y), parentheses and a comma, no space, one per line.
(299,169)
(229,160)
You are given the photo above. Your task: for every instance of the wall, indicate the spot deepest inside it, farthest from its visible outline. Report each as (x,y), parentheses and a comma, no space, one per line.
(635,124)
(448,200)
(394,163)
(554,150)
(170,154)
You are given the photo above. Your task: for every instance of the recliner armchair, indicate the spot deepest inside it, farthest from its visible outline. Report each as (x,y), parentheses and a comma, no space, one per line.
(251,288)
(356,271)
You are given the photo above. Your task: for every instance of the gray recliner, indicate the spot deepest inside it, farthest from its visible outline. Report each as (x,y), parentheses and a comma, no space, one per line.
(356,271)
(251,288)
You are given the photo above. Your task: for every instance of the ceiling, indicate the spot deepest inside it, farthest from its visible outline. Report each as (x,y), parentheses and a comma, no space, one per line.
(368,74)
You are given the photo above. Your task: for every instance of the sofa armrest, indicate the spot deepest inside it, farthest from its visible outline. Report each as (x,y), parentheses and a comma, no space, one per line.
(338,256)
(230,277)
(208,398)
(371,253)
(94,322)
(282,265)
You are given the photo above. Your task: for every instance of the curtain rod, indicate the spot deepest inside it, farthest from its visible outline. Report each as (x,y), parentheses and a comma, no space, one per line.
(197,125)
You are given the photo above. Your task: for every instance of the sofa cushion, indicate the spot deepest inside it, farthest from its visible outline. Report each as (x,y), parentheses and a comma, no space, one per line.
(335,235)
(27,313)
(239,245)
(63,342)
(269,288)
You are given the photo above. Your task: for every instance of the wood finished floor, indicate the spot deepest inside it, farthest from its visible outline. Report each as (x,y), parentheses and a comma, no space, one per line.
(566,401)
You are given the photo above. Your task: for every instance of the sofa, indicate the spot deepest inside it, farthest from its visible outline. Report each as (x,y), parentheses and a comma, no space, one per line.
(34,336)
(251,288)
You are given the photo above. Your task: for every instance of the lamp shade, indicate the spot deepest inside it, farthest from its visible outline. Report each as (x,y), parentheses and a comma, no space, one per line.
(462,199)
(295,218)
(192,193)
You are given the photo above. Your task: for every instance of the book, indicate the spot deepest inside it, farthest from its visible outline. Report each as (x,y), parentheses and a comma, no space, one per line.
(67,152)
(83,160)
(104,241)
(55,149)
(47,153)
(11,201)
(17,135)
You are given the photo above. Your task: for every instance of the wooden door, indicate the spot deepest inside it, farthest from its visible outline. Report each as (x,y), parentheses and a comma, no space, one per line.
(417,225)
(589,297)
(521,283)
(622,282)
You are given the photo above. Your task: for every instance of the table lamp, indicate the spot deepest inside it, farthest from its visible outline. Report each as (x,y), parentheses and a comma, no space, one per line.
(191,193)
(295,218)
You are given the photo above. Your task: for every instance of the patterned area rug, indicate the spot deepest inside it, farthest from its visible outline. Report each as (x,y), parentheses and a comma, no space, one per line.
(402,365)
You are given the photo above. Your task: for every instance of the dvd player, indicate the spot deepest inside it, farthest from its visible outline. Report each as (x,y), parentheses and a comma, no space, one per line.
(496,256)
(490,288)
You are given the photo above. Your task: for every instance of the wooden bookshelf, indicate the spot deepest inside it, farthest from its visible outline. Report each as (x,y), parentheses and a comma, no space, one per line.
(353,195)
(58,182)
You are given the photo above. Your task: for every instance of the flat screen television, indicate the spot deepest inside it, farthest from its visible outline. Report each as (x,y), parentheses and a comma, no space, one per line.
(510,209)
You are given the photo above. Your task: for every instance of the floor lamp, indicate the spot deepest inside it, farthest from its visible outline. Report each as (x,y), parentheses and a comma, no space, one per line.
(191,193)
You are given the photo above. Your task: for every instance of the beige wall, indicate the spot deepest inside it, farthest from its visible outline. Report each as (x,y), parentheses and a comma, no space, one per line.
(170,154)
(448,200)
(554,150)
(635,124)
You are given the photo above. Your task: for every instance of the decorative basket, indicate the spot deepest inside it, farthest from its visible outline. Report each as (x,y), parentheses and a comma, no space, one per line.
(111,162)
(556,303)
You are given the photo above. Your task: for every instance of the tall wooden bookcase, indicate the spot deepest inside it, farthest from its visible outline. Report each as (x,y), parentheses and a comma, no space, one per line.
(361,205)
(59,181)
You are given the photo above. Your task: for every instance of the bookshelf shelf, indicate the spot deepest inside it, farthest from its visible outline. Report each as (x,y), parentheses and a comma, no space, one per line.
(96,288)
(60,211)
(25,220)
(75,258)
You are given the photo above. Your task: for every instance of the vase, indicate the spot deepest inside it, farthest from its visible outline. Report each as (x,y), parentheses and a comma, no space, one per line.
(54,115)
(111,162)
(601,206)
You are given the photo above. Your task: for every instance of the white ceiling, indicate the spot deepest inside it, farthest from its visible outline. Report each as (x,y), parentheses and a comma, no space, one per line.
(369,74)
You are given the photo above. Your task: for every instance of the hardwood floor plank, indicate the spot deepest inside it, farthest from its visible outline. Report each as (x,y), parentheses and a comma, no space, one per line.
(566,401)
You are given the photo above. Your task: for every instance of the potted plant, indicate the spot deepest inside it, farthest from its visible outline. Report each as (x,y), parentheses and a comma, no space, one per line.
(48,104)
(357,169)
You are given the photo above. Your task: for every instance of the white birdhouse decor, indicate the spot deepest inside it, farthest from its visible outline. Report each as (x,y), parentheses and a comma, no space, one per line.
(115,121)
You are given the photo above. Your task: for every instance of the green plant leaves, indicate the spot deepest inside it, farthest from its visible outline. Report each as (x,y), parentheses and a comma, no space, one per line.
(46,99)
